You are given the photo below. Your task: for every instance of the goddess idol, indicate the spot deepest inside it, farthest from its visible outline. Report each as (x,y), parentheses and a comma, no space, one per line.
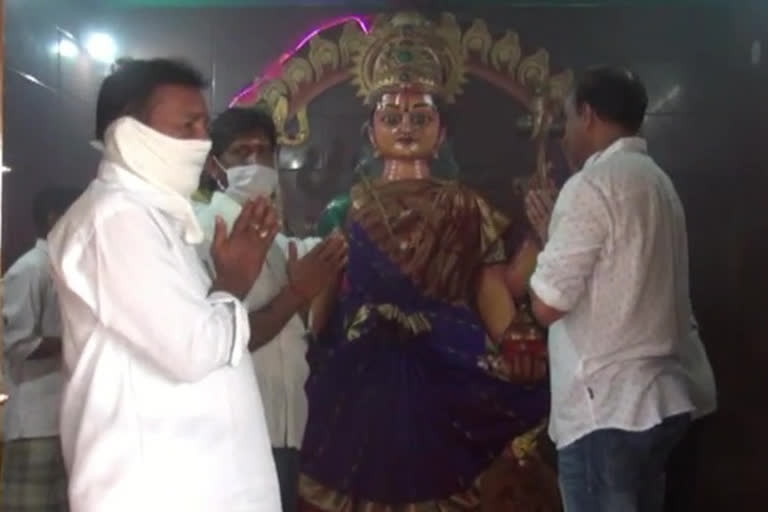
(425,368)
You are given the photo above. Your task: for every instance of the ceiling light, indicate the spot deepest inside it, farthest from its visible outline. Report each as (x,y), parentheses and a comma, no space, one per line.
(101,47)
(66,48)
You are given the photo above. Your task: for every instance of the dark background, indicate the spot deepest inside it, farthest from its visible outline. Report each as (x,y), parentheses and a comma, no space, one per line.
(707,128)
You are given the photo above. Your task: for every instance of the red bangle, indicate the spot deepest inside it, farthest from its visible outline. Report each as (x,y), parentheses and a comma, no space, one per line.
(534,345)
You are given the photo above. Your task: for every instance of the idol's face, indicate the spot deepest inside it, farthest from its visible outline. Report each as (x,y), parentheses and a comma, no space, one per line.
(406,125)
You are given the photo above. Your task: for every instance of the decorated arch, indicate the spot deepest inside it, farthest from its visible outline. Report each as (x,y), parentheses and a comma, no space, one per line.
(340,53)
(319,63)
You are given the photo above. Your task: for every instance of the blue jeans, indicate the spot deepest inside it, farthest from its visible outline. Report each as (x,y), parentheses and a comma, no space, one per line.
(615,470)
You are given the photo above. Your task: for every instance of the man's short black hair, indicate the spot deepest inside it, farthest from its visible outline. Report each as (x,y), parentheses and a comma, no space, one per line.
(131,84)
(236,122)
(615,94)
(51,201)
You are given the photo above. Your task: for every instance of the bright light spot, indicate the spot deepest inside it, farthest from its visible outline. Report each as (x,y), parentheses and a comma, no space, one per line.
(31,78)
(294,164)
(66,48)
(101,47)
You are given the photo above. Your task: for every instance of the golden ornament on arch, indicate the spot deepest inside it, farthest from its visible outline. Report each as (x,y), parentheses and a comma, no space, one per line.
(407,50)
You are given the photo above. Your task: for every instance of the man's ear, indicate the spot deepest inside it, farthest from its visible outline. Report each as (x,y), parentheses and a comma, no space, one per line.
(588,115)
(214,170)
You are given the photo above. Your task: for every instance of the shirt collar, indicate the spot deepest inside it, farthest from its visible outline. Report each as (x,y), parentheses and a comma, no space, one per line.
(624,144)
(176,207)
(41,244)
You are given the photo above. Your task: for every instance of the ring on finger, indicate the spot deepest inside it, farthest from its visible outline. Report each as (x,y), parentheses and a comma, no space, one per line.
(263,233)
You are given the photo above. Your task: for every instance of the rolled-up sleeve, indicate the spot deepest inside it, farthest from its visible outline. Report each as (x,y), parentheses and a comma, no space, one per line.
(577,234)
(141,291)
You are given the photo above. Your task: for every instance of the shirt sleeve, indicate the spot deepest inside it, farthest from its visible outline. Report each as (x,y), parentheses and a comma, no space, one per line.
(156,302)
(577,234)
(50,318)
(22,309)
(695,362)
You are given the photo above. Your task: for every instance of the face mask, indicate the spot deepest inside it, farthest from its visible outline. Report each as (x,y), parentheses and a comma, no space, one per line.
(171,164)
(251,181)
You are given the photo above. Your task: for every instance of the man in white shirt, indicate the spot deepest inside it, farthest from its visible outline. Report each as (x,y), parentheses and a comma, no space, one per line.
(612,285)
(33,473)
(241,167)
(161,409)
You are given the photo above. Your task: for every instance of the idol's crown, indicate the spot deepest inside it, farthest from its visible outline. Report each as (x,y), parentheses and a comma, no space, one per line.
(408,52)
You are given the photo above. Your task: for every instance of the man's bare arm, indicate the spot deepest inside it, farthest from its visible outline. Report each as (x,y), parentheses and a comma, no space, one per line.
(544,314)
(267,322)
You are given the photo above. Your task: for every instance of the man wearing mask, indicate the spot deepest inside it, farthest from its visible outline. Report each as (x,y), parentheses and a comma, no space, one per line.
(161,410)
(242,167)
(34,477)
(627,367)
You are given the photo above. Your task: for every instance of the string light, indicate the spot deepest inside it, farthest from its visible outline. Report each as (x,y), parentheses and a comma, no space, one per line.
(276,68)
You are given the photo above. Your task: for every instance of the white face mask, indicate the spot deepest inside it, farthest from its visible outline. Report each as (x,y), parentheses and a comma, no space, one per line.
(251,181)
(171,164)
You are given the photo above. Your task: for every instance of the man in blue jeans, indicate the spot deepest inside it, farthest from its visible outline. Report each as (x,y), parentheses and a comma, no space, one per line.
(612,285)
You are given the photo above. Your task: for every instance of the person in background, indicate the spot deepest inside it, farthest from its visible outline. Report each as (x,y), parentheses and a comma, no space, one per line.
(160,411)
(33,473)
(242,167)
(239,137)
(612,285)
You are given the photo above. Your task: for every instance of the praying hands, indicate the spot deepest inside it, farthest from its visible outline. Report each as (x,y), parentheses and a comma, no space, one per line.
(239,256)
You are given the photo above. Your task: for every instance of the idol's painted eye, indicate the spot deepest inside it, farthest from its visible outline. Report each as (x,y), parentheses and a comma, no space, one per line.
(392,119)
(421,119)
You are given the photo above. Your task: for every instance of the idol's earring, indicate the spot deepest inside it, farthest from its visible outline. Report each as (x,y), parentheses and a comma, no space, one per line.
(438,144)
(372,140)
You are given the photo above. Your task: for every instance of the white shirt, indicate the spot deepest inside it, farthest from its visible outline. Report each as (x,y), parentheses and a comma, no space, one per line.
(159,413)
(281,365)
(31,313)
(617,263)
(700,375)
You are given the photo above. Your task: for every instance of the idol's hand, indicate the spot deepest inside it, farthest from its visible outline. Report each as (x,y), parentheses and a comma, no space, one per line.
(239,256)
(539,203)
(311,274)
